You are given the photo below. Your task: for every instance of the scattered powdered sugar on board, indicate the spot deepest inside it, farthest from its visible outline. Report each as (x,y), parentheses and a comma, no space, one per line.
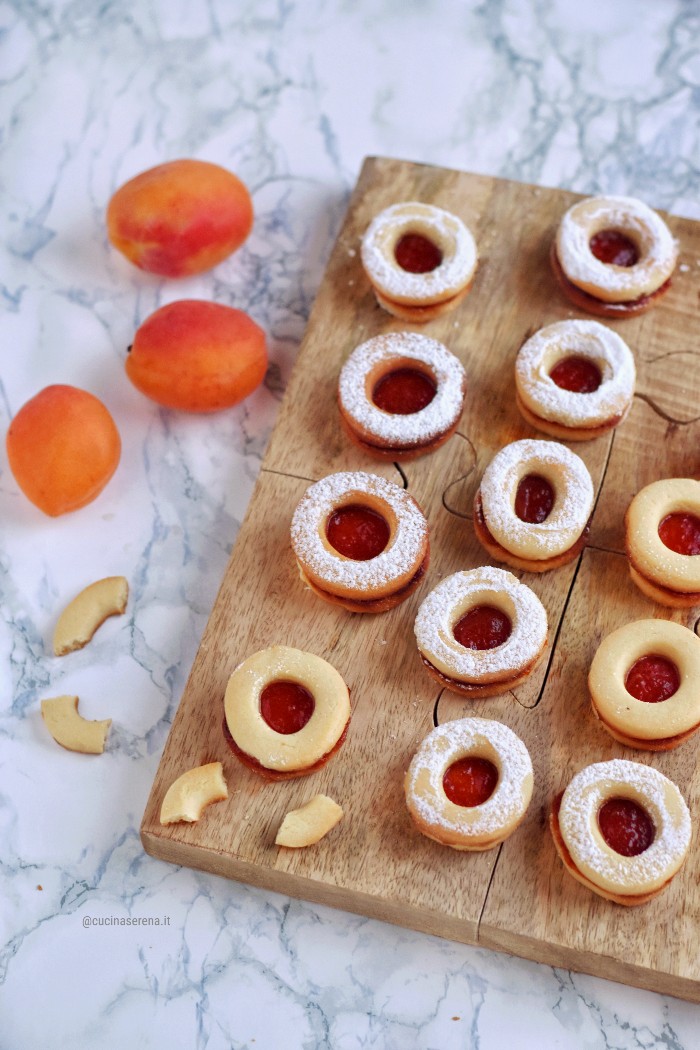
(417,427)
(573,497)
(578,822)
(580,338)
(406,545)
(453,597)
(447,744)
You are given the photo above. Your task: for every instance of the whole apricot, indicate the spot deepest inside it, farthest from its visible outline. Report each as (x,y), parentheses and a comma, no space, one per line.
(63,447)
(180,218)
(198,356)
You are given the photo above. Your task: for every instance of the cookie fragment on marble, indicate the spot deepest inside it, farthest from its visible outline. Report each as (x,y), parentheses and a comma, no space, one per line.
(189,795)
(308,824)
(69,729)
(87,611)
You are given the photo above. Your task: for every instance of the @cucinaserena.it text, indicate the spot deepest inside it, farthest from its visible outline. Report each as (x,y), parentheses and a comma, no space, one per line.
(125,920)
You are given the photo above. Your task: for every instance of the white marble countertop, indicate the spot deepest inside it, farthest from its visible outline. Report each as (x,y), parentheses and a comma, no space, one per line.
(291,96)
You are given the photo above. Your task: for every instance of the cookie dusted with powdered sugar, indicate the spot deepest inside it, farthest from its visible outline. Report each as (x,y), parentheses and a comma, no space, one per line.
(481,632)
(360,541)
(401,395)
(622,829)
(469,784)
(574,380)
(420,260)
(613,256)
(533,506)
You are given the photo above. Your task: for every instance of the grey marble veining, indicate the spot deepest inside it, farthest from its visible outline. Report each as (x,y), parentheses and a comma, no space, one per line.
(291,96)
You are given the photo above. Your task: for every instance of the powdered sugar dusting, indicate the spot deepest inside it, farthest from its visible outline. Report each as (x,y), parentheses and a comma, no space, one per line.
(578,822)
(657,248)
(405,547)
(453,597)
(443,228)
(452,741)
(588,339)
(573,491)
(414,428)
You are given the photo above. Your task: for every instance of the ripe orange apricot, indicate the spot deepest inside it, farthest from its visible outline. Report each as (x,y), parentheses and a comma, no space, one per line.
(180,218)
(198,356)
(63,447)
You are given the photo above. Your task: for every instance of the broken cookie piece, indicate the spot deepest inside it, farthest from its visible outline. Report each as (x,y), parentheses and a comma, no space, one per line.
(70,729)
(87,611)
(307,825)
(192,792)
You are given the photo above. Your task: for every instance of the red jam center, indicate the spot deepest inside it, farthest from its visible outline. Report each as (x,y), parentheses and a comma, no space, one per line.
(404,391)
(357,532)
(652,679)
(681,533)
(534,499)
(416,254)
(578,374)
(470,781)
(614,247)
(483,627)
(286,706)
(626,826)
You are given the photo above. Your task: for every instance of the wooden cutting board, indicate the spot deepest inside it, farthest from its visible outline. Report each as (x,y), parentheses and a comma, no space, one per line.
(515,898)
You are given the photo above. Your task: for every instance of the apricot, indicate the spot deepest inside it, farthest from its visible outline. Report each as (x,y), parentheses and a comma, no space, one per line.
(180,218)
(63,447)
(198,356)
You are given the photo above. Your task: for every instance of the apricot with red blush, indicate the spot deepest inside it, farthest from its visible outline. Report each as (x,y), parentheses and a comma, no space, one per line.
(180,218)
(197,356)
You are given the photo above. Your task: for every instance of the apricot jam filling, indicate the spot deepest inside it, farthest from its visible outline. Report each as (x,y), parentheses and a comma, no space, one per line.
(404,391)
(614,248)
(470,781)
(483,627)
(357,532)
(580,375)
(534,499)
(286,706)
(626,826)
(680,532)
(652,679)
(416,254)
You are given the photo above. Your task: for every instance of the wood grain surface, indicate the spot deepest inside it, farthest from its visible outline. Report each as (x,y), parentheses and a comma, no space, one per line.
(517,898)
